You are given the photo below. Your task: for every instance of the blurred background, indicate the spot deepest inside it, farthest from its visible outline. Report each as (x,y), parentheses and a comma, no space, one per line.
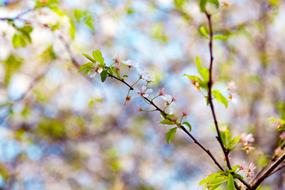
(62,130)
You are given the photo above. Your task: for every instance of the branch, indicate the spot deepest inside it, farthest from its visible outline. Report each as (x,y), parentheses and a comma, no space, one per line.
(179,125)
(267,171)
(210,100)
(210,85)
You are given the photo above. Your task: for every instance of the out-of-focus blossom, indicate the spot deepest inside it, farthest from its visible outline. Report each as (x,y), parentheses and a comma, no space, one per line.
(247,140)
(128,99)
(282,136)
(278,151)
(117,62)
(161,92)
(184,114)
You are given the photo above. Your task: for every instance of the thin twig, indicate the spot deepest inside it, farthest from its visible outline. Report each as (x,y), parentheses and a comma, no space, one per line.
(210,85)
(165,115)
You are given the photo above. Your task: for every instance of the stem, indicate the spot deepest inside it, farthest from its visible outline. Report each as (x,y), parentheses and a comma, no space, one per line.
(210,85)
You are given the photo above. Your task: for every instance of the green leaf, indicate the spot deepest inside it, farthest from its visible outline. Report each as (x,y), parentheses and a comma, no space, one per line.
(220,37)
(57,10)
(215,2)
(188,125)
(104,75)
(72,28)
(159,34)
(220,97)
(22,37)
(203,4)
(89,22)
(204,31)
(97,55)
(214,180)
(197,79)
(229,142)
(46,3)
(204,72)
(170,135)
(12,64)
(167,122)
(47,55)
(85,17)
(86,68)
(179,3)
(230,183)
(89,57)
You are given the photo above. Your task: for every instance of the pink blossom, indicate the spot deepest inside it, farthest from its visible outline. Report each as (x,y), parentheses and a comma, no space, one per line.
(282,136)
(250,170)
(117,62)
(144,91)
(96,70)
(184,114)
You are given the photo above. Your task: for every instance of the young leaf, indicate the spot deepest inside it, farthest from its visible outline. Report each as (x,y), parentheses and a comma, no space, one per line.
(23,36)
(227,139)
(188,125)
(104,75)
(179,3)
(230,183)
(97,56)
(47,55)
(167,122)
(214,180)
(196,79)
(220,37)
(86,68)
(203,4)
(170,135)
(220,97)
(204,72)
(89,57)
(203,31)
(72,28)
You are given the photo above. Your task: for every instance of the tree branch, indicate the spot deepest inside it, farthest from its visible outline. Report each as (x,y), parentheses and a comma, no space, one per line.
(267,171)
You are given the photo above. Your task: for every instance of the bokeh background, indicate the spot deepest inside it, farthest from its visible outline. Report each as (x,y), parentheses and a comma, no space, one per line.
(62,130)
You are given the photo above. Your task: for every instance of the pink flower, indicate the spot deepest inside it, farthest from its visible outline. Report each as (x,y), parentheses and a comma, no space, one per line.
(184,114)
(250,170)
(282,136)
(117,62)
(97,70)
(145,91)
(130,64)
